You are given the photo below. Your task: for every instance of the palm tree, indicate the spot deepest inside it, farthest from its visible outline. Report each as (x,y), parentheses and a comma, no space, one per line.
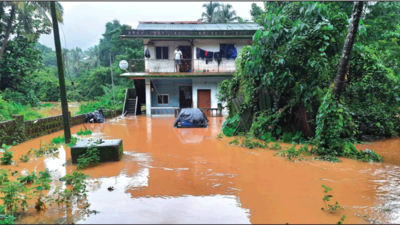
(347,48)
(76,56)
(26,12)
(93,54)
(209,15)
(226,14)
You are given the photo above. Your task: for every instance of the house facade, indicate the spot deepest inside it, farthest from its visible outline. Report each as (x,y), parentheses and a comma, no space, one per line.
(209,53)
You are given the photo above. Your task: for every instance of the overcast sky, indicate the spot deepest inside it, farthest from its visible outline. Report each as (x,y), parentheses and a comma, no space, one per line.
(84,22)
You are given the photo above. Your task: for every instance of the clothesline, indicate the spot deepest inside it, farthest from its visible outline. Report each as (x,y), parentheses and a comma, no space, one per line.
(230,53)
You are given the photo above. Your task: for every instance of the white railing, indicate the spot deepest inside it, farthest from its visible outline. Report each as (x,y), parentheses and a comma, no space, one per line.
(123,109)
(163,110)
(187,65)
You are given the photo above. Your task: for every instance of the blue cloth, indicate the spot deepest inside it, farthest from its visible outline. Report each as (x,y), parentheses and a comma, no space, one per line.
(234,53)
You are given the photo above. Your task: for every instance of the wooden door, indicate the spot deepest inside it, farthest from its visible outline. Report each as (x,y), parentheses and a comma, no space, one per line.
(204,100)
(186,65)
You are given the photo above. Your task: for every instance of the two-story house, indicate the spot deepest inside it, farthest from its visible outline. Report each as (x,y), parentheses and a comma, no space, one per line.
(209,53)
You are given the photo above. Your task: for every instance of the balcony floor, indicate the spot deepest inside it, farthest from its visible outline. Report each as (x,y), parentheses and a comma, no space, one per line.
(142,75)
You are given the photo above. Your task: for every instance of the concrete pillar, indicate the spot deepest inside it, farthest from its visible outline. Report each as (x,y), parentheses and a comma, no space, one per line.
(148,97)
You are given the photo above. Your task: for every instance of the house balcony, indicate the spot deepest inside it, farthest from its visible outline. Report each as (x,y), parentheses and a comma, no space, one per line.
(159,68)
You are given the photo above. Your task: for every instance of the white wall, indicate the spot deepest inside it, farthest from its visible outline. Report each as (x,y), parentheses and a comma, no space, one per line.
(206,84)
(226,65)
(154,65)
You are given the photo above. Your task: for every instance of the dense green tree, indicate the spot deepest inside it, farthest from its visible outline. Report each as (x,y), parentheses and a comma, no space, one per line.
(112,44)
(48,55)
(257,14)
(21,60)
(28,18)
(284,77)
(382,22)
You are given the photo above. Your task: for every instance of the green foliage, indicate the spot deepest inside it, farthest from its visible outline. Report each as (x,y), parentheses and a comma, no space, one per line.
(327,198)
(230,125)
(42,183)
(292,152)
(90,158)
(45,149)
(372,95)
(6,158)
(276,146)
(234,142)
(250,143)
(24,158)
(60,140)
(341,221)
(6,219)
(382,26)
(86,132)
(20,60)
(335,133)
(12,199)
(77,180)
(335,127)
(257,14)
(293,60)
(334,207)
(16,195)
(219,136)
(7,109)
(287,137)
(76,194)
(28,179)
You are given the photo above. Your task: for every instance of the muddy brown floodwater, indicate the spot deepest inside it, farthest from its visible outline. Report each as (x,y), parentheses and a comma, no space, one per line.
(73,107)
(170,175)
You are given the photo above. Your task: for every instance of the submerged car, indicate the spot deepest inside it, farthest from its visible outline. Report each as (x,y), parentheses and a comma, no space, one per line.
(190,117)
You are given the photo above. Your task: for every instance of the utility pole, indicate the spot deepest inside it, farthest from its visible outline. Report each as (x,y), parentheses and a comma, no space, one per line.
(61,79)
(112,80)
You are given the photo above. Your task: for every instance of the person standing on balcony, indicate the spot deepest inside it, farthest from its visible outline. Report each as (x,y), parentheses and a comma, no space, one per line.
(178,55)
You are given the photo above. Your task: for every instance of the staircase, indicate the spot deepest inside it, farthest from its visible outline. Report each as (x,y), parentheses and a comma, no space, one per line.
(131,105)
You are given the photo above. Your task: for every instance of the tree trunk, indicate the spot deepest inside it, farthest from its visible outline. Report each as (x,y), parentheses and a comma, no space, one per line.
(347,48)
(61,79)
(8,31)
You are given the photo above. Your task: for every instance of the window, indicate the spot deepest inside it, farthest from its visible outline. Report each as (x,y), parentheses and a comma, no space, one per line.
(226,50)
(161,52)
(163,99)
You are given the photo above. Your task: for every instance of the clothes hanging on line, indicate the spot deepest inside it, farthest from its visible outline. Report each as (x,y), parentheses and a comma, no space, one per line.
(209,57)
(197,53)
(217,57)
(202,54)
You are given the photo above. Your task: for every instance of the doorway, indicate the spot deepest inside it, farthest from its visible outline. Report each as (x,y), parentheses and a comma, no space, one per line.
(204,100)
(186,61)
(185,97)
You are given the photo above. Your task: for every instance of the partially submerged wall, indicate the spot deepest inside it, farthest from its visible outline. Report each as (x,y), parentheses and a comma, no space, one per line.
(19,130)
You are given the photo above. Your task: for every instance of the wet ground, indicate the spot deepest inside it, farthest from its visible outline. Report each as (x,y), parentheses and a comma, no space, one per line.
(170,175)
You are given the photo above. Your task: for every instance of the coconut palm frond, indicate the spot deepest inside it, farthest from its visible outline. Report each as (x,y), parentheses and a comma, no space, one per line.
(209,15)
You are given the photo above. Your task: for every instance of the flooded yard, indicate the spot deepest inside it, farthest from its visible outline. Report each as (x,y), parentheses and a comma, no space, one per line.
(170,175)
(55,110)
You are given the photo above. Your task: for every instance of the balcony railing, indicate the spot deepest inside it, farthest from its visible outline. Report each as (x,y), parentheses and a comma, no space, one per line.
(186,66)
(209,112)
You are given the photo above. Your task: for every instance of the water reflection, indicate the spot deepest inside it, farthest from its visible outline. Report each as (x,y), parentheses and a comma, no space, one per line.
(218,209)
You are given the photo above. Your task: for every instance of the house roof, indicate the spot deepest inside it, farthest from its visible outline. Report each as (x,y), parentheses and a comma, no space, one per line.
(197,26)
(191,30)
